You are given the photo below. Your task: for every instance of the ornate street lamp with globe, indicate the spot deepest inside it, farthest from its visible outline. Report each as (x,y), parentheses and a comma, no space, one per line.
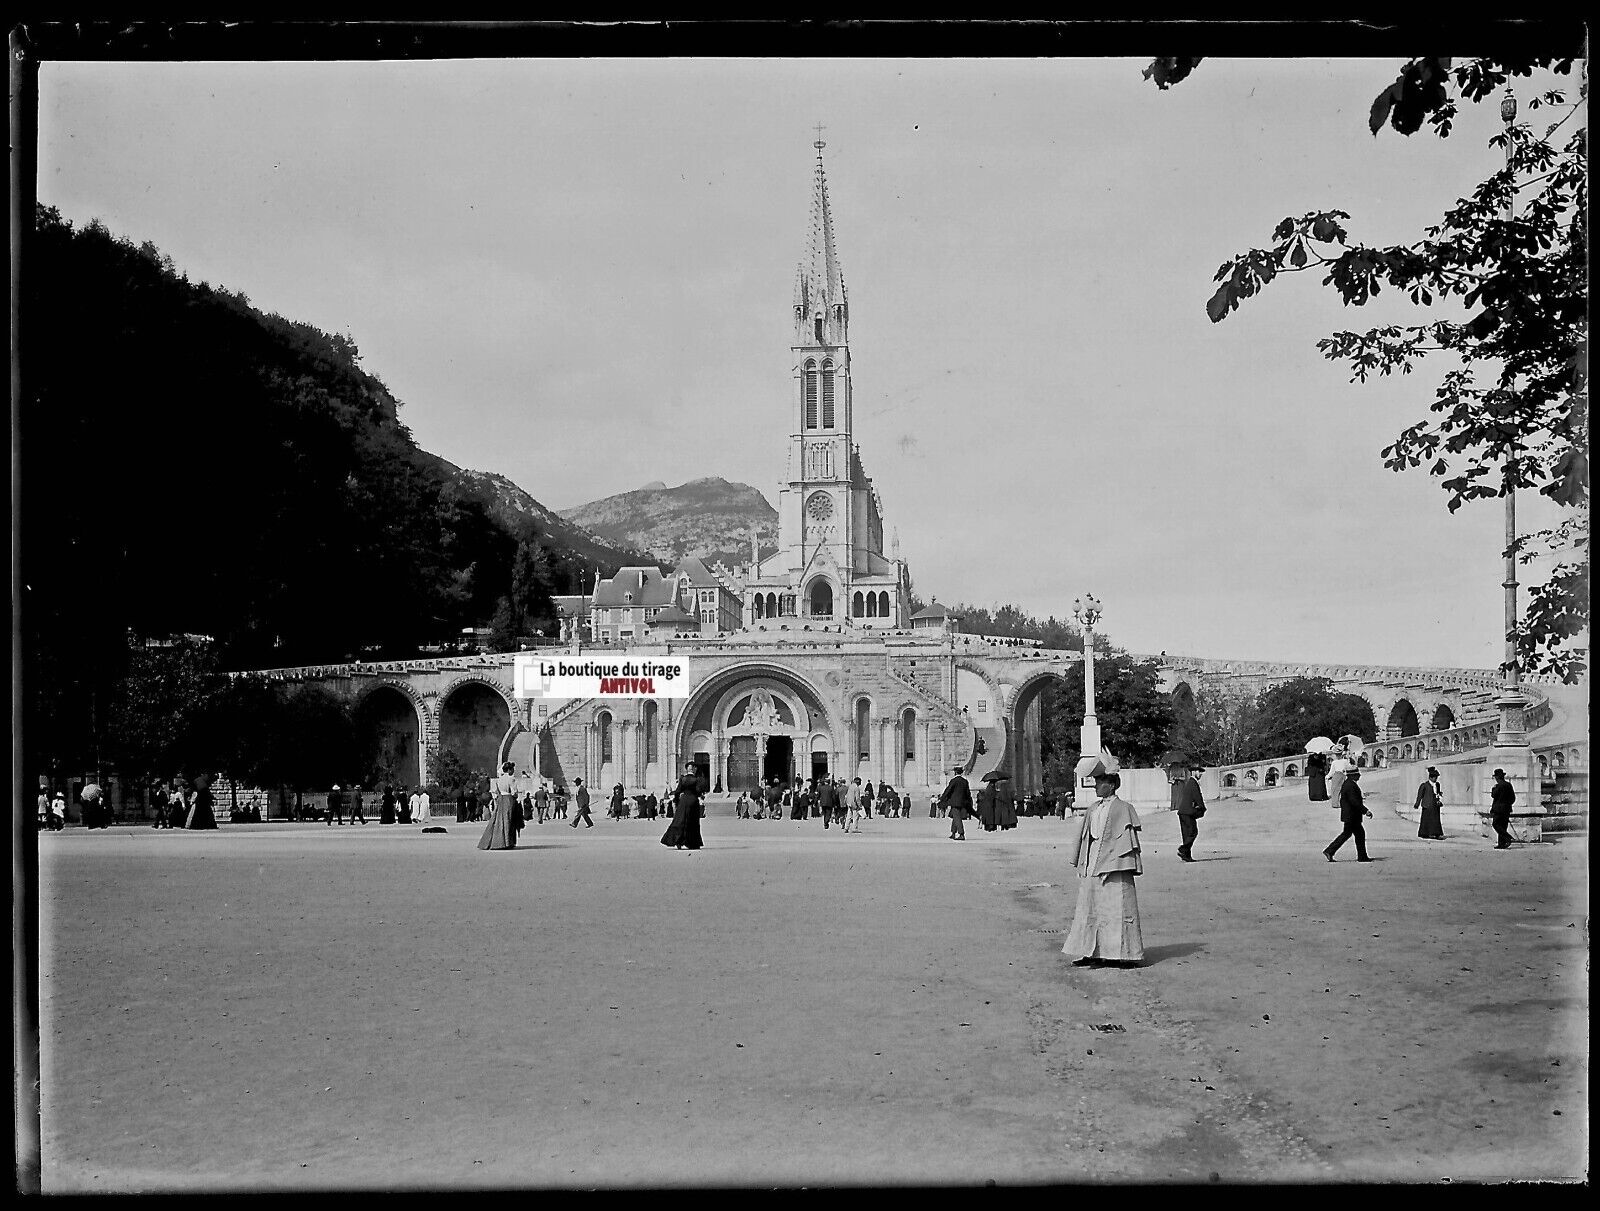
(1087,612)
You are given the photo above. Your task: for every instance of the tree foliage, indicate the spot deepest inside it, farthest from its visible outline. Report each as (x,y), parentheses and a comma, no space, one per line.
(1511,411)
(1135,717)
(1289,714)
(196,466)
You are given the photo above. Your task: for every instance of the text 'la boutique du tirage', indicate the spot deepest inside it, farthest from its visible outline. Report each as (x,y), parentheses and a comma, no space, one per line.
(546,677)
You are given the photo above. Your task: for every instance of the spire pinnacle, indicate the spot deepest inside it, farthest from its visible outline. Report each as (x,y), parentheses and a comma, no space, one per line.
(821,309)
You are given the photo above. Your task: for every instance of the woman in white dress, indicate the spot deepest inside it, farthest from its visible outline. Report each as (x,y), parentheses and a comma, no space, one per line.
(1105,922)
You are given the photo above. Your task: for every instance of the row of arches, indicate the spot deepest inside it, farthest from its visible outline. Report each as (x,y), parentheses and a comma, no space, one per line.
(870,605)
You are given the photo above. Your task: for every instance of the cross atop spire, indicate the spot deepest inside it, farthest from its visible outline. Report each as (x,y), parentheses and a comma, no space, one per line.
(819,144)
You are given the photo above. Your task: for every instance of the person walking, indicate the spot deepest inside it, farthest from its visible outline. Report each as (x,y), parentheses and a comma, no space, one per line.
(358,805)
(335,806)
(1501,796)
(504,815)
(852,806)
(386,805)
(463,815)
(1430,797)
(541,803)
(421,810)
(957,801)
(1338,771)
(617,809)
(582,812)
(827,797)
(559,810)
(403,804)
(1190,805)
(775,800)
(1105,921)
(58,812)
(1352,810)
(474,802)
(1317,778)
(741,807)
(684,831)
(868,797)
(202,809)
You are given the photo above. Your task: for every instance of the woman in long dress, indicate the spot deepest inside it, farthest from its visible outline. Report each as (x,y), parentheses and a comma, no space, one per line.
(1317,777)
(201,813)
(505,816)
(684,831)
(1105,922)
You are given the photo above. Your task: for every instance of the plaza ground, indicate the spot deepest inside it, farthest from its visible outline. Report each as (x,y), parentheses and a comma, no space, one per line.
(287,1006)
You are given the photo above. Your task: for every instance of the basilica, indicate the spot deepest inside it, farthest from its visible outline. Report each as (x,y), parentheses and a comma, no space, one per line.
(804,663)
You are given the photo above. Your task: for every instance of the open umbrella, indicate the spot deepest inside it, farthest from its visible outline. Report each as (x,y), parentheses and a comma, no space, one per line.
(1176,757)
(1319,744)
(996,775)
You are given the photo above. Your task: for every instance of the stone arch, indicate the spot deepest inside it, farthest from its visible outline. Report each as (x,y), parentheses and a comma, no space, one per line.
(858,605)
(1291,770)
(1230,779)
(1361,761)
(1272,776)
(1402,721)
(1251,777)
(819,595)
(494,683)
(695,721)
(474,717)
(1183,697)
(1443,718)
(1026,769)
(391,721)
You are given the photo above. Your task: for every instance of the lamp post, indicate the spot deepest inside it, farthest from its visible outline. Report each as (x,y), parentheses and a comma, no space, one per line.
(1087,611)
(1511,750)
(1513,732)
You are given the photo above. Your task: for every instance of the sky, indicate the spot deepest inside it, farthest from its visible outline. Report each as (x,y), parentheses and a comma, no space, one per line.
(578,273)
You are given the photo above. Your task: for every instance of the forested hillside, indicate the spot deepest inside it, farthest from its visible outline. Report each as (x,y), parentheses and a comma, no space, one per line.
(193,465)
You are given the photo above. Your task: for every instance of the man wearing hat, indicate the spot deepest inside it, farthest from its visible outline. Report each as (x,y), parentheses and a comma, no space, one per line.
(1190,805)
(1429,798)
(1352,810)
(1105,922)
(335,806)
(957,798)
(1501,796)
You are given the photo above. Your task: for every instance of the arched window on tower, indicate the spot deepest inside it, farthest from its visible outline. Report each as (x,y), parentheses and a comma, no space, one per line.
(883,604)
(908,732)
(855,606)
(811,395)
(864,727)
(756,603)
(604,724)
(816,325)
(772,605)
(872,605)
(827,394)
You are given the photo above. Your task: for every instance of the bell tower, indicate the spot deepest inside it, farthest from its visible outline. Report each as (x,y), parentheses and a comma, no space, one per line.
(820,513)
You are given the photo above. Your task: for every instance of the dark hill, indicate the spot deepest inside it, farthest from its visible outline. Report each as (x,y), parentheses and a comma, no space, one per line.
(192,465)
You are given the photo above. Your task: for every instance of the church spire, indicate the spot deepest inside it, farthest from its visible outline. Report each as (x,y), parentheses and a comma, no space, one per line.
(821,311)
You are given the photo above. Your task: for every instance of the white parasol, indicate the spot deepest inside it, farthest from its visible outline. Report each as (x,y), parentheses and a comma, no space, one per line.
(1319,744)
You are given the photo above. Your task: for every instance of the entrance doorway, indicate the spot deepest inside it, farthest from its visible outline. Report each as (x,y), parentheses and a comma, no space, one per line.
(702,770)
(819,765)
(780,760)
(744,764)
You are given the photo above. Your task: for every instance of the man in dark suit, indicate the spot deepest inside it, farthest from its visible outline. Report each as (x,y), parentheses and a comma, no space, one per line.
(957,799)
(1352,810)
(827,799)
(582,802)
(1501,796)
(1190,805)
